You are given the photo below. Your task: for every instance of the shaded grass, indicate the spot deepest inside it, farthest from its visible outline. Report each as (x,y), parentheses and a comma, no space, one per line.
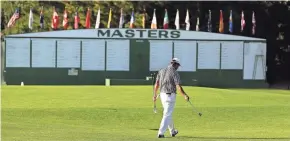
(87,113)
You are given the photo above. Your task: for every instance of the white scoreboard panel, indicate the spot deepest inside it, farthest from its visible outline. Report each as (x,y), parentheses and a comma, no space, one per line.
(118,55)
(68,53)
(93,55)
(18,52)
(186,52)
(209,55)
(43,53)
(160,54)
(232,55)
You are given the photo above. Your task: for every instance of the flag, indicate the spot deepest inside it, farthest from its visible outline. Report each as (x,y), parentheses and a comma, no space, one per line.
(187,20)
(65,20)
(98,20)
(77,20)
(231,22)
(88,18)
(121,23)
(221,26)
(41,18)
(154,21)
(243,23)
(254,23)
(197,24)
(30,22)
(177,20)
(209,26)
(54,23)
(144,18)
(132,20)
(110,18)
(14,18)
(165,20)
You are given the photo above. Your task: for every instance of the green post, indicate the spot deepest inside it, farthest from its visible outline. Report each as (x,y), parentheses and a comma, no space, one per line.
(3,62)
(81,56)
(220,70)
(243,55)
(220,56)
(149,56)
(106,66)
(105,55)
(4,53)
(173,50)
(30,53)
(55,53)
(196,56)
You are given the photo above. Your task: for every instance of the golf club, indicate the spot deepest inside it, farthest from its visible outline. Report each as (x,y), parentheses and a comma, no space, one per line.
(154,108)
(199,113)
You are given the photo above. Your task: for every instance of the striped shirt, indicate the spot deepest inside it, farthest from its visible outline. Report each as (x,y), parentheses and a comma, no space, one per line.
(168,79)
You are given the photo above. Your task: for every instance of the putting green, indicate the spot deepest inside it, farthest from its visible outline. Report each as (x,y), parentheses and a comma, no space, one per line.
(125,113)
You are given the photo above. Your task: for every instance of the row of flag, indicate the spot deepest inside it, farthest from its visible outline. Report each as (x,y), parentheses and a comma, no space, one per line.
(55,20)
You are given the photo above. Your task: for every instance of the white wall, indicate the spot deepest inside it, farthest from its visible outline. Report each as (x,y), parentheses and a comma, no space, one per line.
(255,61)
(227,55)
(194,55)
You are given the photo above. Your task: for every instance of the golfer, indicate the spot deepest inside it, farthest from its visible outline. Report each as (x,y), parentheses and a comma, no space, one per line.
(168,79)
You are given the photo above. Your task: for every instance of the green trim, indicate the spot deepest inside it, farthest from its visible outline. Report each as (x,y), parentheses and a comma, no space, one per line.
(81,54)
(5,54)
(264,41)
(196,56)
(55,53)
(30,55)
(220,56)
(149,55)
(173,49)
(220,70)
(243,57)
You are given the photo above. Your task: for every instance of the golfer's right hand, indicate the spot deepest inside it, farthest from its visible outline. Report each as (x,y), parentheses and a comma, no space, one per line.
(186,97)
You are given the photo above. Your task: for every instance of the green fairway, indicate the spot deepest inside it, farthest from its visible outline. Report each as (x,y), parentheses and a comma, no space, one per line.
(123,113)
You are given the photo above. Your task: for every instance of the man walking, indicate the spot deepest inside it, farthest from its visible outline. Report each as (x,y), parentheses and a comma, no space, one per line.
(168,79)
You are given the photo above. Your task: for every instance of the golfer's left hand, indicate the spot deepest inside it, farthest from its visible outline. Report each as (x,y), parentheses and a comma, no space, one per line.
(154,98)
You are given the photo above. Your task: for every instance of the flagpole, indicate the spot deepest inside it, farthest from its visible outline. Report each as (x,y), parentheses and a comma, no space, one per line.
(29,20)
(32,20)
(18,27)
(144,18)
(30,30)
(18,22)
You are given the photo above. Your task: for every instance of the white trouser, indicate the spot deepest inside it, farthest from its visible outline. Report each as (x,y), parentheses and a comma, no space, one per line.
(168,103)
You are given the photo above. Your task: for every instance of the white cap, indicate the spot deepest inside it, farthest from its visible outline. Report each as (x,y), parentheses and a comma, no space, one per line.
(176,60)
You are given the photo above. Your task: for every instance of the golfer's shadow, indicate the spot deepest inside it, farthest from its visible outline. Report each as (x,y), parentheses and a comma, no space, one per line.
(223,138)
(229,138)
(154,129)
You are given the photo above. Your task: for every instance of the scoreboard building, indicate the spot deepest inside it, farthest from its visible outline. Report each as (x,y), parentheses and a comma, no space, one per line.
(130,56)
